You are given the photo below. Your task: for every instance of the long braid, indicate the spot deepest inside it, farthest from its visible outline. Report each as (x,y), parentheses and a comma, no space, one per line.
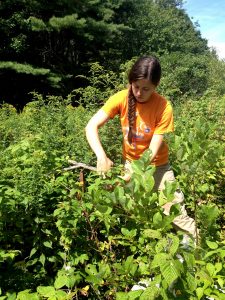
(144,68)
(131,114)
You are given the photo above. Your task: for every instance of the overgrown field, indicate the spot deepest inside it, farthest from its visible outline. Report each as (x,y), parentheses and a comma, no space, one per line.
(62,239)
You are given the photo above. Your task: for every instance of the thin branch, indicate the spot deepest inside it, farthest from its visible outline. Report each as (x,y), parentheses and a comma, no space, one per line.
(79,165)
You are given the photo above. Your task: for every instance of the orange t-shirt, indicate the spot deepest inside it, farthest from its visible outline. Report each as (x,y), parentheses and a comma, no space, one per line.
(152,117)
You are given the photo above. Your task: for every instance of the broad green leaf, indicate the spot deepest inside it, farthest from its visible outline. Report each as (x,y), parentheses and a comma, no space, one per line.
(199,292)
(212,245)
(173,244)
(218,267)
(11,296)
(94,279)
(221,282)
(104,209)
(158,259)
(80,259)
(48,244)
(169,271)
(129,233)
(190,280)
(170,188)
(91,269)
(210,268)
(61,295)
(61,280)
(151,233)
(203,276)
(157,219)
(128,263)
(33,251)
(26,295)
(137,166)
(122,296)
(46,291)
(151,293)
(133,295)
(161,245)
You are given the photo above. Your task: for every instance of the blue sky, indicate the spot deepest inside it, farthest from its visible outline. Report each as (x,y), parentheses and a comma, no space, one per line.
(210,14)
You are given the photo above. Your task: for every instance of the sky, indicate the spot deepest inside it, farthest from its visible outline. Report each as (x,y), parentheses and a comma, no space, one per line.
(210,15)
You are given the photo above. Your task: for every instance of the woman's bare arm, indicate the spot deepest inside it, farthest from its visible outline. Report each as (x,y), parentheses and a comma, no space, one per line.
(98,120)
(155,144)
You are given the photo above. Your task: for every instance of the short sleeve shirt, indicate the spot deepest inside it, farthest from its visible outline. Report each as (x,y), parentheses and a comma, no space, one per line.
(152,117)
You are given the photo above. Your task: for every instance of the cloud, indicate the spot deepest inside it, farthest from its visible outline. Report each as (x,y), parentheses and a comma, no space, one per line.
(219,47)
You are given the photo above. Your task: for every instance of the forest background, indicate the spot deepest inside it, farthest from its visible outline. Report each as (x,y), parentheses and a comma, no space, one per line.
(59,62)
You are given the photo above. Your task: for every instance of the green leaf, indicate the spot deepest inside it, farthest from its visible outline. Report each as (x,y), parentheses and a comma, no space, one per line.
(61,280)
(221,282)
(174,244)
(48,244)
(157,219)
(132,295)
(218,267)
(104,209)
(129,233)
(158,259)
(42,259)
(94,279)
(26,295)
(46,291)
(122,296)
(169,271)
(199,292)
(91,269)
(212,245)
(11,296)
(137,166)
(129,263)
(150,293)
(210,268)
(151,233)
(33,251)
(161,245)
(61,295)
(190,280)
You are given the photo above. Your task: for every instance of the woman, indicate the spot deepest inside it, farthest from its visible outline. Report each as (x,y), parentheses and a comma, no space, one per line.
(145,117)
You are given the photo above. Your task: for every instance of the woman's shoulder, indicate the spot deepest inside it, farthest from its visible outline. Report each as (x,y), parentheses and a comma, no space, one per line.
(120,95)
(161,100)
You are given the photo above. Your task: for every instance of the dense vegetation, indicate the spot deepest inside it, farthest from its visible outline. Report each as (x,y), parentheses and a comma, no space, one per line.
(61,241)
(62,238)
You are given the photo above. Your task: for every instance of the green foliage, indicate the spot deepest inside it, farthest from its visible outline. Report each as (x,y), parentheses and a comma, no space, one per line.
(102,84)
(188,75)
(56,42)
(53,79)
(153,26)
(197,152)
(63,240)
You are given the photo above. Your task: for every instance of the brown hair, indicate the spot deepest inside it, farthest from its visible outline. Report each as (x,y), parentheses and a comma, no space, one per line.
(147,67)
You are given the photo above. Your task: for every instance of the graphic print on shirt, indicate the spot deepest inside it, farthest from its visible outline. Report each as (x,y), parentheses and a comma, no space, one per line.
(142,132)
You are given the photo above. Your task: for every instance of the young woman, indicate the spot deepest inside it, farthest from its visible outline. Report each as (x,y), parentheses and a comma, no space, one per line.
(145,117)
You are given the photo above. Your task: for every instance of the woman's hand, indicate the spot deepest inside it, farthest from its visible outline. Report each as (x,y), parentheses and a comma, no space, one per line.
(126,177)
(104,164)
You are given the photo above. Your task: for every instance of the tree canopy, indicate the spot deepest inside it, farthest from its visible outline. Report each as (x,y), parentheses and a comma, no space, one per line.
(46,45)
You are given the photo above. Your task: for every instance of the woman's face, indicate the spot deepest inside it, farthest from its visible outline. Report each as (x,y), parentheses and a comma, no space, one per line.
(142,90)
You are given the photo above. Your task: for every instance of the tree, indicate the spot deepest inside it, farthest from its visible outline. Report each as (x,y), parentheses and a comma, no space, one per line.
(160,27)
(56,41)
(45,46)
